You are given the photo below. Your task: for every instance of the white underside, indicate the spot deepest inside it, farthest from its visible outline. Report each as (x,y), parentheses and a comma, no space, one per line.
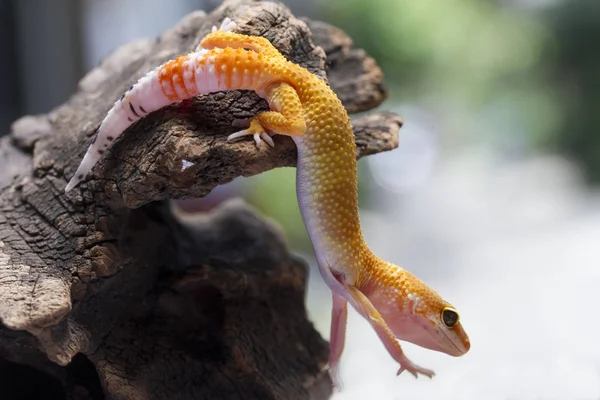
(325,256)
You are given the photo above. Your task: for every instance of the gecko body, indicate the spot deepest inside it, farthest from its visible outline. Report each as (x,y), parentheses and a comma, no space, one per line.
(396,303)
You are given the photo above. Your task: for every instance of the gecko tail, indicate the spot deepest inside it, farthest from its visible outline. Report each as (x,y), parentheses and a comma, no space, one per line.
(142,98)
(200,72)
(84,168)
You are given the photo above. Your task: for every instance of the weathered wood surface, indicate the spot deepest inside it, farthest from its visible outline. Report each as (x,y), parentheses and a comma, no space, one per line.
(159,306)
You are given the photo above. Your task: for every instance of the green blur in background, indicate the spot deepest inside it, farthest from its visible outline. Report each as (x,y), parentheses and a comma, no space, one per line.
(522,77)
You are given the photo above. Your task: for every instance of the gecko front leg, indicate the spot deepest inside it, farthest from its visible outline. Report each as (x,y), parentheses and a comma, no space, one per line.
(390,342)
(360,302)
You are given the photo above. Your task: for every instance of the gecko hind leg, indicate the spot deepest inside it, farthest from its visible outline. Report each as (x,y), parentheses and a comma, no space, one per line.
(367,310)
(221,39)
(286,118)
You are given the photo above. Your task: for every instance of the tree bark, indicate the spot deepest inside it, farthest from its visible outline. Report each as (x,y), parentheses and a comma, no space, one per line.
(106,292)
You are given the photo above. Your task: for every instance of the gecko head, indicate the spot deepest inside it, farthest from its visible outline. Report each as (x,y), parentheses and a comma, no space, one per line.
(438,329)
(416,313)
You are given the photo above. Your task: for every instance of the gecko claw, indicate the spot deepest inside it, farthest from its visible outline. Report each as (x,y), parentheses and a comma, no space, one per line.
(268,139)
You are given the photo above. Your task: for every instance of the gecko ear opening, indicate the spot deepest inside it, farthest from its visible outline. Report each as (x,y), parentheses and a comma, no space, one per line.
(450,317)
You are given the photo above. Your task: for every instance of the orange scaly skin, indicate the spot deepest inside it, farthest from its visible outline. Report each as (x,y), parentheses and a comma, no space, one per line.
(396,303)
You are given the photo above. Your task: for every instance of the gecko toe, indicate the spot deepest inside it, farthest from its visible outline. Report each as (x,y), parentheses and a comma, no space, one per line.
(227,25)
(239,134)
(268,139)
(257,139)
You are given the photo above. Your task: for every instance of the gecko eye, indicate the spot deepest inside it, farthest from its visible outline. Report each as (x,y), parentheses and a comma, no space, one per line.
(450,317)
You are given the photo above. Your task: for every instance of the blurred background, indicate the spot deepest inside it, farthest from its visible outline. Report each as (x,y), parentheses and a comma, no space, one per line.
(491,197)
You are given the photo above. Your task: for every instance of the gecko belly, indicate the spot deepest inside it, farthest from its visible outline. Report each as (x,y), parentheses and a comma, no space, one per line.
(327,197)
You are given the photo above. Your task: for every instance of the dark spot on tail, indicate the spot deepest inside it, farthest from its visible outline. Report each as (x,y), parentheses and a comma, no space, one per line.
(110,138)
(144,111)
(95,136)
(80,176)
(100,152)
(133,110)
(129,118)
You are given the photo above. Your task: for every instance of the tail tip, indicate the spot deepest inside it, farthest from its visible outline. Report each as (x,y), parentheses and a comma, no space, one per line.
(72,183)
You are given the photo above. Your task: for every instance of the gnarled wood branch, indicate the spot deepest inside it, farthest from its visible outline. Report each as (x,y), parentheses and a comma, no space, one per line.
(160,306)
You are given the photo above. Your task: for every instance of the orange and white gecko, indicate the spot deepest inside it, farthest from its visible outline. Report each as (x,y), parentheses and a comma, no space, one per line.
(396,303)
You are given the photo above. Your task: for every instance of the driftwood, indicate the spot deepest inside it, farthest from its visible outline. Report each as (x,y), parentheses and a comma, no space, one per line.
(107,292)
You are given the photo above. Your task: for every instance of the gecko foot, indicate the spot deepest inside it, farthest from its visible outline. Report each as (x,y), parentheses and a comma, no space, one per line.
(414,369)
(255,129)
(258,137)
(227,25)
(336,378)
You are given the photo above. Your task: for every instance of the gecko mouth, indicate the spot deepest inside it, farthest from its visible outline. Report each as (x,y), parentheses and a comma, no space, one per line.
(460,346)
